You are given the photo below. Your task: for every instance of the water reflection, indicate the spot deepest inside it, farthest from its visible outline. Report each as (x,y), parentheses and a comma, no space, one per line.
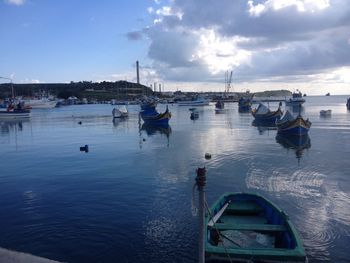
(296,109)
(297,143)
(263,127)
(11,125)
(152,130)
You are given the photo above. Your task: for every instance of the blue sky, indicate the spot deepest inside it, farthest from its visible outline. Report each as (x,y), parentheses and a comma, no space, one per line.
(183,44)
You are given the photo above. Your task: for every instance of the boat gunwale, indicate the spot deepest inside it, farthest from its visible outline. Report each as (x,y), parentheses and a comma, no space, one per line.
(297,251)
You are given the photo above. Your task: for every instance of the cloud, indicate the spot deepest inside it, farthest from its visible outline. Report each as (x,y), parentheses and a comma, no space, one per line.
(261,40)
(15,2)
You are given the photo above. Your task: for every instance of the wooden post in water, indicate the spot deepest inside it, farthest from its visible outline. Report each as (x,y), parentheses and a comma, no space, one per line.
(201,180)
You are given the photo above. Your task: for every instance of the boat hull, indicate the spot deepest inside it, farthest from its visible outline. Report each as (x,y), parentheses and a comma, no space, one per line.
(299,127)
(246,214)
(153,117)
(10,115)
(269,117)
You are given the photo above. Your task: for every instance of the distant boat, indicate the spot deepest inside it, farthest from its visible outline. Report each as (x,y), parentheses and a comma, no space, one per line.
(245,104)
(328,94)
(14,112)
(43,103)
(198,101)
(297,99)
(348,103)
(263,114)
(194,114)
(325,113)
(120,112)
(246,227)
(219,106)
(290,125)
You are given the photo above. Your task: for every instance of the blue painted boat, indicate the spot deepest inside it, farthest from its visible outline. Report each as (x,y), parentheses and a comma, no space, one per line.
(247,227)
(152,116)
(263,114)
(290,125)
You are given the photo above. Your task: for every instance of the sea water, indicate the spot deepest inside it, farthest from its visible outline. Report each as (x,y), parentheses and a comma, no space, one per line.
(130,198)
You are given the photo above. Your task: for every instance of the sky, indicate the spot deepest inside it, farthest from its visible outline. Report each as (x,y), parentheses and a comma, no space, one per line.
(185,45)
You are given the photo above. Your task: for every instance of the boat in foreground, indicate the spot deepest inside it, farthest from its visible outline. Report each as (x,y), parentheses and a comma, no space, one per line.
(247,227)
(288,124)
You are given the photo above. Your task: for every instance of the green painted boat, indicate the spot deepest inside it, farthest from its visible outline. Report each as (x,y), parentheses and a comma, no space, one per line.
(244,227)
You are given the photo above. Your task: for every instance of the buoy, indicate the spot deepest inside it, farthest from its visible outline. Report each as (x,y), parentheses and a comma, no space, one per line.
(144,139)
(84,148)
(80,122)
(207,156)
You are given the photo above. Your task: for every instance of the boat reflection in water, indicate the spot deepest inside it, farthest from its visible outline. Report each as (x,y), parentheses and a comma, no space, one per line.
(154,129)
(263,127)
(297,143)
(7,126)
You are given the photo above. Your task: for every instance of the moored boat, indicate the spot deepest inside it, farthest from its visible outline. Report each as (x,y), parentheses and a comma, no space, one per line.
(219,106)
(152,116)
(288,124)
(198,101)
(297,99)
(120,112)
(15,112)
(245,226)
(325,113)
(263,114)
(348,103)
(42,103)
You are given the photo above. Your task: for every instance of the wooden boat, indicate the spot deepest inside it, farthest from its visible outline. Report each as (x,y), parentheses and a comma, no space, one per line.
(288,124)
(263,114)
(325,113)
(120,112)
(151,116)
(246,227)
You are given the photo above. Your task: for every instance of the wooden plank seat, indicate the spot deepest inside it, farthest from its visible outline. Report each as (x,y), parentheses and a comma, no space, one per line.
(247,207)
(251,227)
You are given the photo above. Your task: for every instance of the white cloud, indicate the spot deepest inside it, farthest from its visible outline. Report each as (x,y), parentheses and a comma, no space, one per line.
(15,2)
(263,41)
(300,5)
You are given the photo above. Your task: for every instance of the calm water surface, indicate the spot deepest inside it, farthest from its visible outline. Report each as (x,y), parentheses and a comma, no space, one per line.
(129,199)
